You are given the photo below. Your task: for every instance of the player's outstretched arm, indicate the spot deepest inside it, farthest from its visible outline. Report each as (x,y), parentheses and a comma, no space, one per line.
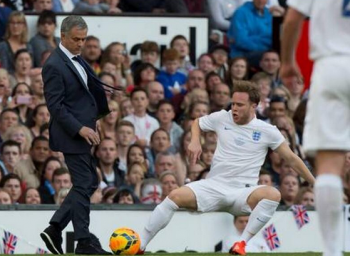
(195,148)
(295,162)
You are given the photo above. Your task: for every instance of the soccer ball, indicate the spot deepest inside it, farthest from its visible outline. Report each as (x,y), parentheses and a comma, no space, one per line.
(124,241)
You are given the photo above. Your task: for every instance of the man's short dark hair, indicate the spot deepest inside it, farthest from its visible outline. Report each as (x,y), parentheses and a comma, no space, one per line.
(7,110)
(178,37)
(149,46)
(47,16)
(10,176)
(92,38)
(165,102)
(279,99)
(160,129)
(10,143)
(138,89)
(37,139)
(59,172)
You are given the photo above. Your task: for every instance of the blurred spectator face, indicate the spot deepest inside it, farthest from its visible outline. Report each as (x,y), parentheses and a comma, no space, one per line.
(139,101)
(165,113)
(270,63)
(136,155)
(23,64)
(40,5)
(287,169)
(4,82)
(196,79)
(297,88)
(91,51)
(61,181)
(40,151)
(171,66)
(125,135)
(126,199)
(13,187)
(289,187)
(47,28)
(194,171)
(107,152)
(169,183)
(187,140)
(17,26)
(5,198)
(206,64)
(220,56)
(160,141)
(42,116)
(117,54)
(22,90)
(207,155)
(8,119)
(238,69)
(19,136)
(149,57)
(32,197)
(135,174)
(109,67)
(199,110)
(308,199)
(221,95)
(265,179)
(264,87)
(240,222)
(37,85)
(199,95)
(212,82)
(126,107)
(165,163)
(155,92)
(50,168)
(113,116)
(211,137)
(277,109)
(260,4)
(181,46)
(10,156)
(148,75)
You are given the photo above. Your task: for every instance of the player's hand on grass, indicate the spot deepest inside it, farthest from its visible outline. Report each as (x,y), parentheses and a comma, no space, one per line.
(194,151)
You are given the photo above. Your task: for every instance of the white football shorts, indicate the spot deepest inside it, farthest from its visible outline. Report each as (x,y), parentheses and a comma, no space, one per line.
(327,122)
(213,195)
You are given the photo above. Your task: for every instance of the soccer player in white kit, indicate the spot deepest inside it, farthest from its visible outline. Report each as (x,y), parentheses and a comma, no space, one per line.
(231,185)
(327,123)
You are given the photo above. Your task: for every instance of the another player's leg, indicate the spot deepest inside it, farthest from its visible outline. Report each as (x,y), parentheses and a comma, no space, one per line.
(263,202)
(329,199)
(179,198)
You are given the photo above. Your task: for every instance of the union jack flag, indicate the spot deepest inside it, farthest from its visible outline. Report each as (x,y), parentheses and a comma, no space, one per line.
(271,237)
(41,251)
(9,242)
(300,215)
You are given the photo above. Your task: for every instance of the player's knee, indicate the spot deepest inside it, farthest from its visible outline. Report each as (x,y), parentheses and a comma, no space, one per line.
(273,194)
(175,196)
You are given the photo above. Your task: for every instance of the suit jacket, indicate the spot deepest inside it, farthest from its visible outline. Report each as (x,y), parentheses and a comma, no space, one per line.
(71,104)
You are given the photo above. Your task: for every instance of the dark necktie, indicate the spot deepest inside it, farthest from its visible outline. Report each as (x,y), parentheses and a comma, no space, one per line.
(93,76)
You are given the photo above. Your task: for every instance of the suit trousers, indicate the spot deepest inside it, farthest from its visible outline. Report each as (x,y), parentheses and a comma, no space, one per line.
(76,206)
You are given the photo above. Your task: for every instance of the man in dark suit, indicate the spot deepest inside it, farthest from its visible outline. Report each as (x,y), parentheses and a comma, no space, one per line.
(75,101)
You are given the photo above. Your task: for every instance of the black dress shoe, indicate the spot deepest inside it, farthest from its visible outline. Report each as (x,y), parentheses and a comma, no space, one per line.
(90,249)
(53,239)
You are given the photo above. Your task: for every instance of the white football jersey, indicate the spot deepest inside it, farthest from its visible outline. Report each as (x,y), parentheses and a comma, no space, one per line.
(241,149)
(329,26)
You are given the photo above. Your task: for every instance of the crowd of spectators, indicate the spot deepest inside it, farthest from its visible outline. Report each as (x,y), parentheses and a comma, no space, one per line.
(143,151)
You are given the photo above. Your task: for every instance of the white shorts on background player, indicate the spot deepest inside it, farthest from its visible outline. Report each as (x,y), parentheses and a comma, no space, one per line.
(327,123)
(239,155)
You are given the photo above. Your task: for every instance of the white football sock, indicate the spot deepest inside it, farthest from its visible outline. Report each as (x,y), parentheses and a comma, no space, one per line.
(329,202)
(261,214)
(158,220)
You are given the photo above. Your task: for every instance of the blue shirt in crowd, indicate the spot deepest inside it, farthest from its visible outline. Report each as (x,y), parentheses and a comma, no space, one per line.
(250,30)
(169,80)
